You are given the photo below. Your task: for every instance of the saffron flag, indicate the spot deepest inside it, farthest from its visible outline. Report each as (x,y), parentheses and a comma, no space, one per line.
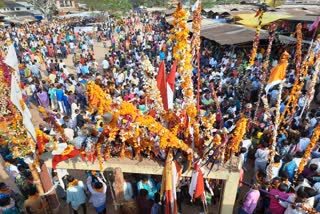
(278,73)
(170,178)
(315,24)
(162,85)
(170,85)
(196,188)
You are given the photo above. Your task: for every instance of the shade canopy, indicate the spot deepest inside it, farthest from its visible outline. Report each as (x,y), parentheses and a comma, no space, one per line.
(250,20)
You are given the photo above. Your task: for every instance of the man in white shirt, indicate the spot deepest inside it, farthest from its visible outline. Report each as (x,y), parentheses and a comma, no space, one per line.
(72,47)
(105,65)
(303,143)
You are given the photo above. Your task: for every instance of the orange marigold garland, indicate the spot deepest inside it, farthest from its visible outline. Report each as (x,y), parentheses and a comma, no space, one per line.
(313,141)
(133,127)
(298,54)
(196,28)
(256,40)
(182,54)
(236,135)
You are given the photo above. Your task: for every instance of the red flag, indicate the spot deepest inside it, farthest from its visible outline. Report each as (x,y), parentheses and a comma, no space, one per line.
(200,187)
(59,158)
(314,24)
(258,13)
(162,85)
(196,188)
(171,80)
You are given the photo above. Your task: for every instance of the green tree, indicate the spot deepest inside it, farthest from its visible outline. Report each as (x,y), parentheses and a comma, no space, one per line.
(112,6)
(1,4)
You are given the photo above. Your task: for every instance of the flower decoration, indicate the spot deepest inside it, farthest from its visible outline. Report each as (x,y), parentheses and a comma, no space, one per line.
(196,28)
(150,86)
(298,53)
(140,131)
(313,141)
(256,40)
(237,135)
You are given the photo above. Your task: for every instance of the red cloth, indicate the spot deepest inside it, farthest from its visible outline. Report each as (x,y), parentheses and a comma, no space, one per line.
(200,186)
(58,158)
(162,85)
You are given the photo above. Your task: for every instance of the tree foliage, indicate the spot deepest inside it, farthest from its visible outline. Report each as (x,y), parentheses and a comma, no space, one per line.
(46,7)
(2,4)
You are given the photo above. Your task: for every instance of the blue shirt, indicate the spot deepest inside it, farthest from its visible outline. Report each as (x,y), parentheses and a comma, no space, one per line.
(59,94)
(85,69)
(162,55)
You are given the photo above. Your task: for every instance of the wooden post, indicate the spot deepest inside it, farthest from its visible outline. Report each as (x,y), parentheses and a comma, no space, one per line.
(36,178)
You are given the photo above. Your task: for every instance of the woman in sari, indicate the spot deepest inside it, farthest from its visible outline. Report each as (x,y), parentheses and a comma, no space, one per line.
(43,98)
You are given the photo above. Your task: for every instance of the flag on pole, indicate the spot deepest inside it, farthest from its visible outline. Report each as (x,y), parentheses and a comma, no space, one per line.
(196,188)
(16,94)
(315,24)
(12,59)
(278,73)
(195,6)
(170,179)
(162,85)
(171,80)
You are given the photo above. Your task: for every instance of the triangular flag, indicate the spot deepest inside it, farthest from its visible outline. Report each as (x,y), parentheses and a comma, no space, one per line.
(195,6)
(162,85)
(196,188)
(314,24)
(278,73)
(171,80)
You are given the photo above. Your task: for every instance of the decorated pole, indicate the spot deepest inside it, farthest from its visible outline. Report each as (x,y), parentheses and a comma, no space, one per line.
(298,84)
(311,88)
(313,141)
(280,68)
(298,53)
(256,40)
(275,129)
(196,42)
(265,67)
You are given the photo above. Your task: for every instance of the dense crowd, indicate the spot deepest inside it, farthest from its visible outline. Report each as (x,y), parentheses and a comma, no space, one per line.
(49,82)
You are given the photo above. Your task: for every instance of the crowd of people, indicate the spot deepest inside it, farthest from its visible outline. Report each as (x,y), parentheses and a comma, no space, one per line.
(49,81)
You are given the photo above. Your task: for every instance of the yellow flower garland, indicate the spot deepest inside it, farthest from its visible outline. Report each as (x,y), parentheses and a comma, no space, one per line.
(237,135)
(313,142)
(132,133)
(182,54)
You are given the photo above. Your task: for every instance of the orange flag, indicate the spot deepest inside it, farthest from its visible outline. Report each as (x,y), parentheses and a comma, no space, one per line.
(278,73)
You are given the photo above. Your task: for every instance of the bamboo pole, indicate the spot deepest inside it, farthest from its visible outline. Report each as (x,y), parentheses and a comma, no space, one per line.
(265,67)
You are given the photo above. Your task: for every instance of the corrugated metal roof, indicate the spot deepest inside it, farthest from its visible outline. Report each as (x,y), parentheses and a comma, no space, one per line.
(301,18)
(230,34)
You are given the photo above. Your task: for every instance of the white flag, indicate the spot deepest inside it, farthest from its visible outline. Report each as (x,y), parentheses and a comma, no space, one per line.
(12,60)
(16,94)
(195,6)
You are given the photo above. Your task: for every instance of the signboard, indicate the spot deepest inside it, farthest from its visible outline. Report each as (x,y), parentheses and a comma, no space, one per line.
(83,29)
